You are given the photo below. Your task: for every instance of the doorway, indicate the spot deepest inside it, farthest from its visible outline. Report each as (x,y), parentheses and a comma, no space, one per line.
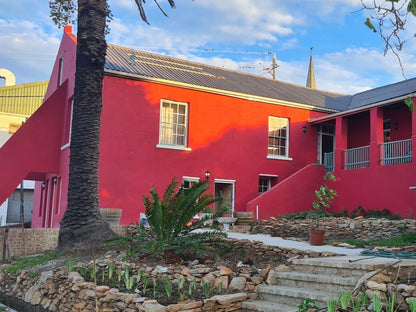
(226,190)
(326,141)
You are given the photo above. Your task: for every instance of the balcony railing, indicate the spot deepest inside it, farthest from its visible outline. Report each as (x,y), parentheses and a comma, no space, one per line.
(397,152)
(329,162)
(356,158)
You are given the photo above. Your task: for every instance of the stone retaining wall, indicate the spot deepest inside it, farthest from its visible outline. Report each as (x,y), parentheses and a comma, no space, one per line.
(52,287)
(385,285)
(336,228)
(21,242)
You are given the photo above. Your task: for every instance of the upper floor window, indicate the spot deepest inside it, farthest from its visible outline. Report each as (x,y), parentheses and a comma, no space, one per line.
(278,143)
(173,124)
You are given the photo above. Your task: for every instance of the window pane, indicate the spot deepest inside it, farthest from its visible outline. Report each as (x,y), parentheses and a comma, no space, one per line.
(278,134)
(173,123)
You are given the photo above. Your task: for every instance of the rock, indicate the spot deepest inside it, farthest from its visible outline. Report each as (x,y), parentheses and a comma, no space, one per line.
(186,271)
(228,299)
(271,278)
(225,271)
(187,305)
(150,306)
(238,283)
(102,289)
(209,279)
(381,278)
(161,269)
(222,279)
(377,286)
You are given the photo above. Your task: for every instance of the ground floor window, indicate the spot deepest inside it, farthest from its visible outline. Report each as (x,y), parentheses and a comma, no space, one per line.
(266,182)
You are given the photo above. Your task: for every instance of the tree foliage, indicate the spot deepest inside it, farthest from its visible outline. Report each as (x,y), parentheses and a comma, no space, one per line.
(389,19)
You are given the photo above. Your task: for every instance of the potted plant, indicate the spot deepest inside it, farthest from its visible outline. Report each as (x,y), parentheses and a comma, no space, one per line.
(225,211)
(323,197)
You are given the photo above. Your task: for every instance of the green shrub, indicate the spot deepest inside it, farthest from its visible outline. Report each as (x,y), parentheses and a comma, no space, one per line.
(170,220)
(31,261)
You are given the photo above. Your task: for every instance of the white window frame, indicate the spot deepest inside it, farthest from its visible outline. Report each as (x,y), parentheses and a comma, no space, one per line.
(68,144)
(174,146)
(189,179)
(269,178)
(272,156)
(61,69)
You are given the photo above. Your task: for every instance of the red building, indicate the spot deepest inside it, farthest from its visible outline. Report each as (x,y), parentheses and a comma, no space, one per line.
(263,141)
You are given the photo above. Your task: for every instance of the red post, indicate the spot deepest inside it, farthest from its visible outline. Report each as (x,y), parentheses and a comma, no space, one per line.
(341,141)
(376,135)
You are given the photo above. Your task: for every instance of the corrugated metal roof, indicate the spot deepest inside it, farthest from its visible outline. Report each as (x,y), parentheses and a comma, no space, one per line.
(23,99)
(133,62)
(384,93)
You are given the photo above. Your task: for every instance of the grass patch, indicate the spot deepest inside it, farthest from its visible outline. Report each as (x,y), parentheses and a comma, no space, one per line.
(397,241)
(31,261)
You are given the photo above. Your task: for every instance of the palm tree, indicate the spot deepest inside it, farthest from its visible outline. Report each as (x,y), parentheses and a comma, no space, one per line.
(82,224)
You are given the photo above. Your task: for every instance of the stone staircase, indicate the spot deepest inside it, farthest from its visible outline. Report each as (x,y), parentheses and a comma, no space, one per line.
(320,279)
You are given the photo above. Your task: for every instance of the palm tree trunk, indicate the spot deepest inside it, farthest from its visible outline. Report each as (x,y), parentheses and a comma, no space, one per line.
(82,224)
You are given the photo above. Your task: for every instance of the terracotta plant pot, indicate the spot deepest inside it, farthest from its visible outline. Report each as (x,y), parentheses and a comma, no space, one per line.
(316,237)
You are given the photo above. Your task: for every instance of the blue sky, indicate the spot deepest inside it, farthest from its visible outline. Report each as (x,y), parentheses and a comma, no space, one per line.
(348,57)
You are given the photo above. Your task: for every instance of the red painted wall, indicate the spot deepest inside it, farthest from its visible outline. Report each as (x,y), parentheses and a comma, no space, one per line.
(293,195)
(227,136)
(378,188)
(359,130)
(35,148)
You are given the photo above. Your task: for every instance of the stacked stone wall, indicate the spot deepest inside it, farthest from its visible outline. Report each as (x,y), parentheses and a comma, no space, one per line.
(21,242)
(336,228)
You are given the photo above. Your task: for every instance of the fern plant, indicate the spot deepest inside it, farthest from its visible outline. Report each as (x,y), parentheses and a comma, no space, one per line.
(170,219)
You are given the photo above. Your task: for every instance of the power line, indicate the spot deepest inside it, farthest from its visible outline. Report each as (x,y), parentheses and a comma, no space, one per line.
(271,70)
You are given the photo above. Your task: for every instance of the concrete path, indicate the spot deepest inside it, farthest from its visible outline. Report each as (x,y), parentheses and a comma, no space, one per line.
(286,243)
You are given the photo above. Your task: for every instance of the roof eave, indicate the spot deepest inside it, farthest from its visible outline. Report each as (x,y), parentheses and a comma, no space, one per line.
(357,110)
(239,95)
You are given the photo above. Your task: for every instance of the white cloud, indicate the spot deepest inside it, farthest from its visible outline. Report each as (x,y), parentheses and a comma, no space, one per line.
(30,52)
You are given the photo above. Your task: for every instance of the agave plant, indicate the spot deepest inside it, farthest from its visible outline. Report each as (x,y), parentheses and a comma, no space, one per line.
(170,218)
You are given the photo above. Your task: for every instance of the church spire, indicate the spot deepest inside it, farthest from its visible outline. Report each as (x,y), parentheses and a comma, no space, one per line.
(310,81)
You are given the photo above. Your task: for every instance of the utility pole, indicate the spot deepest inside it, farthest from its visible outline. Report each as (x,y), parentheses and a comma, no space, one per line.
(274,65)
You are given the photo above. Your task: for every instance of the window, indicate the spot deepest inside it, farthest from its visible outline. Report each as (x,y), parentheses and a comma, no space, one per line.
(278,145)
(387,130)
(187,182)
(266,182)
(173,124)
(60,70)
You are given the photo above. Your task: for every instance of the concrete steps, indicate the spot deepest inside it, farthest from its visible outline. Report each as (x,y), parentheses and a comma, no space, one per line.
(320,279)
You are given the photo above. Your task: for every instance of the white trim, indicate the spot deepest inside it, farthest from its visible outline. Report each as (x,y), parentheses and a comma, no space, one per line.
(279,157)
(164,101)
(174,147)
(192,179)
(61,69)
(67,145)
(268,175)
(269,118)
(224,181)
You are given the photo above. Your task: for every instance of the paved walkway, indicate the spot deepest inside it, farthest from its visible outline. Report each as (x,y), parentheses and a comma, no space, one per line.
(286,243)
